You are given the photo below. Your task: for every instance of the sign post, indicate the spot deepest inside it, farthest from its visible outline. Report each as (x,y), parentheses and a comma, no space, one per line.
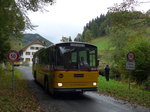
(12,56)
(130,64)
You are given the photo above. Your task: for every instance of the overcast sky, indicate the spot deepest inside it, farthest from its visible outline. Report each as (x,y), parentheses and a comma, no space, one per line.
(68,17)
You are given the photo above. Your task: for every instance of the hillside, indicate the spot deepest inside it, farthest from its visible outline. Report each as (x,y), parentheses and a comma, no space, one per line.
(28,38)
(104,49)
(102,43)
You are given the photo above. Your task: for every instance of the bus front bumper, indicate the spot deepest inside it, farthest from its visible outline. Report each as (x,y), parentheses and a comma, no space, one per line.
(75,89)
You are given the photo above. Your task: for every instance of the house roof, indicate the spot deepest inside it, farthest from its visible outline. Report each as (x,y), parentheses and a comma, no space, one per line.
(34,42)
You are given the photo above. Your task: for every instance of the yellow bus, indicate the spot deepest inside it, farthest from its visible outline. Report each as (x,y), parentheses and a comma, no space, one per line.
(58,68)
(18,62)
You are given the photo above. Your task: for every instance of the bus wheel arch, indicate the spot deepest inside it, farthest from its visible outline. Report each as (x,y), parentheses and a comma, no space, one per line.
(46,85)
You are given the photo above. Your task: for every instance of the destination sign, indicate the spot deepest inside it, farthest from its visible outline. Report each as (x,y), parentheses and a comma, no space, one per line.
(77,45)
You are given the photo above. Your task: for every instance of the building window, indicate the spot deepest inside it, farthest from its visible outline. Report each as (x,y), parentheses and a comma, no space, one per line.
(27,53)
(32,48)
(37,48)
(33,53)
(27,59)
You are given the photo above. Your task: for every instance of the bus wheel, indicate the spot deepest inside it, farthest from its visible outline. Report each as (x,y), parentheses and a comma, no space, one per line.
(46,84)
(34,76)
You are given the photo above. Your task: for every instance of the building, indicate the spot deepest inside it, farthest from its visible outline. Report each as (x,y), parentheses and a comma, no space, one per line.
(27,52)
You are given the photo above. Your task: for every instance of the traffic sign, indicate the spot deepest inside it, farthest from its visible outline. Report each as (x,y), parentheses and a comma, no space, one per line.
(130,65)
(12,55)
(130,56)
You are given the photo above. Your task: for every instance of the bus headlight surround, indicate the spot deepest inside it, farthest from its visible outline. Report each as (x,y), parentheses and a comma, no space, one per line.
(94,83)
(60,84)
(60,75)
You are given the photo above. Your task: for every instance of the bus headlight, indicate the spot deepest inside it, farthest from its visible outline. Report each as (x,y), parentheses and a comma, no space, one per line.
(94,83)
(60,84)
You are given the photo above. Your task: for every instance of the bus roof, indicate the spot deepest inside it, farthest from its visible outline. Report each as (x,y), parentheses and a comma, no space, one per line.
(75,43)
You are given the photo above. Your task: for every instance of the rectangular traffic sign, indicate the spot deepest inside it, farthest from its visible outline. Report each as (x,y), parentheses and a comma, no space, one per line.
(130,65)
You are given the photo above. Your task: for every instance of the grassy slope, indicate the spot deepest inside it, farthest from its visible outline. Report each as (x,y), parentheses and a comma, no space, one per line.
(102,43)
(19,100)
(104,50)
(115,88)
(120,90)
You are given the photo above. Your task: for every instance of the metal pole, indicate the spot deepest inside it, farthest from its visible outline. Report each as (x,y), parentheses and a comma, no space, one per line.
(129,79)
(12,76)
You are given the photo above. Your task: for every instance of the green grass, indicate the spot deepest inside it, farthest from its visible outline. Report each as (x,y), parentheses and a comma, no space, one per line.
(19,100)
(101,43)
(121,91)
(104,49)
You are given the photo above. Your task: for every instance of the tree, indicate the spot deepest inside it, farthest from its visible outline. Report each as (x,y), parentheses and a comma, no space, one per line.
(78,37)
(13,20)
(126,5)
(88,35)
(70,40)
(127,26)
(65,39)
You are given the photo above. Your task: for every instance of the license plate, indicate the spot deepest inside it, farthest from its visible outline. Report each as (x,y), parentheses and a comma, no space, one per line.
(78,75)
(78,90)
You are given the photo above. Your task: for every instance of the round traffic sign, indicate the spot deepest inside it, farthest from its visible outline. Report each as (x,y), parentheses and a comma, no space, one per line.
(130,56)
(12,55)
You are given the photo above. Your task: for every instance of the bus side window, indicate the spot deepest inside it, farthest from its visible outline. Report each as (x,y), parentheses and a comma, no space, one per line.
(92,58)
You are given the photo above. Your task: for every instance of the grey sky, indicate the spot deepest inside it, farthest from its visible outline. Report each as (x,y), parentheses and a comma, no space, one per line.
(68,17)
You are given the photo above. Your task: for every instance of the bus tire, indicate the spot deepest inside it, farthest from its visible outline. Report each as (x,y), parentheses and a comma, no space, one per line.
(46,86)
(34,75)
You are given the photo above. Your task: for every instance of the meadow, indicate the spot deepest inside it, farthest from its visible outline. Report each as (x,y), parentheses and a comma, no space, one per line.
(121,90)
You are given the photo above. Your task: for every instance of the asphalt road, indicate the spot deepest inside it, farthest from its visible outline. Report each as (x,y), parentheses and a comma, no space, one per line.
(88,102)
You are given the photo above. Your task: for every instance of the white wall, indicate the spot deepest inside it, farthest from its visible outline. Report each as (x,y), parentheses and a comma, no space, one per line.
(25,56)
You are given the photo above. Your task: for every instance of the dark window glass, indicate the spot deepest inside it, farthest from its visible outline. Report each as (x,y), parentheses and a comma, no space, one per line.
(27,53)
(76,58)
(32,48)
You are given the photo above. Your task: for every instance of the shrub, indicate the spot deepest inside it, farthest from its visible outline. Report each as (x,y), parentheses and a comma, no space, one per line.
(141,48)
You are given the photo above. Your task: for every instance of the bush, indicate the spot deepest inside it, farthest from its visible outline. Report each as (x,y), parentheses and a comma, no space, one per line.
(114,73)
(147,84)
(141,48)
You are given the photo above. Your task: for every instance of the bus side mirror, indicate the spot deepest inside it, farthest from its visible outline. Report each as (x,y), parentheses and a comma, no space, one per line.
(97,62)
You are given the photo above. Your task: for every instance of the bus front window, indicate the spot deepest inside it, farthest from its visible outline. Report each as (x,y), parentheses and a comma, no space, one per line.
(76,58)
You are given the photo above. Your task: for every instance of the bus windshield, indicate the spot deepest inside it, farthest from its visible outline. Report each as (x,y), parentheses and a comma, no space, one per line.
(76,58)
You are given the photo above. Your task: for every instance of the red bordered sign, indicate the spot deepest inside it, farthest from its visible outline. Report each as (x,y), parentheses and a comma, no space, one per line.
(12,55)
(130,56)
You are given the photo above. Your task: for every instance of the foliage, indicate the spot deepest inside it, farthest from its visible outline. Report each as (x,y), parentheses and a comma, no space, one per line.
(126,5)
(11,25)
(121,91)
(64,39)
(70,40)
(141,48)
(127,27)
(95,28)
(147,84)
(4,48)
(13,20)
(78,37)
